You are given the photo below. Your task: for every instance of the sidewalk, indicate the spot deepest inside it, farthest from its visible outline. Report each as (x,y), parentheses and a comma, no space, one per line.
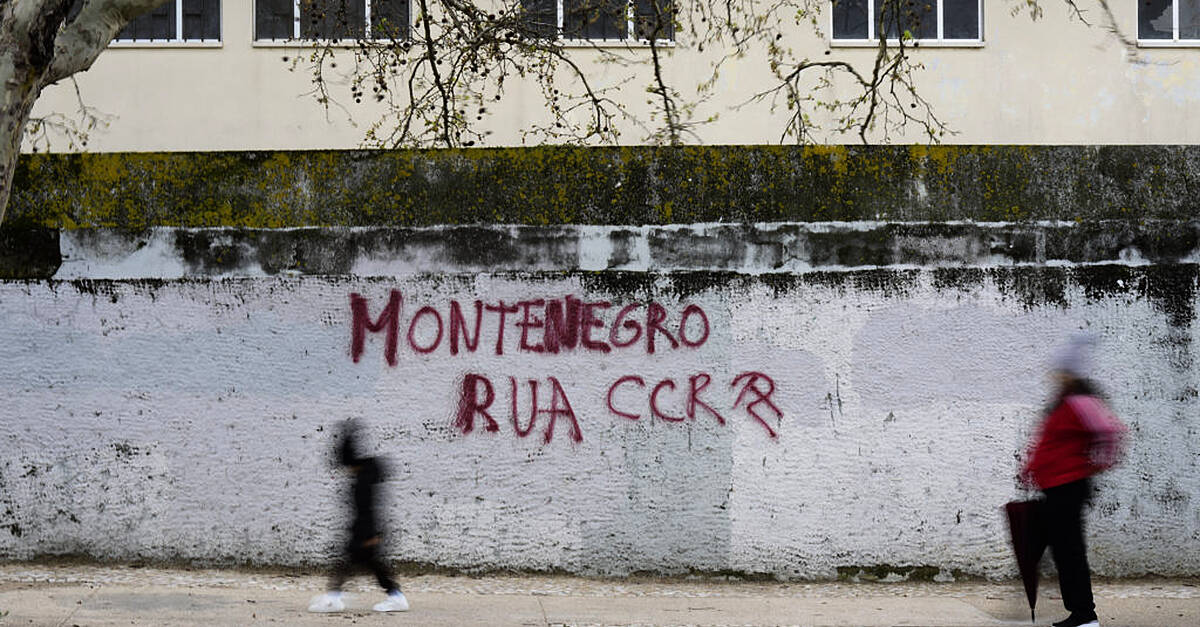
(120,595)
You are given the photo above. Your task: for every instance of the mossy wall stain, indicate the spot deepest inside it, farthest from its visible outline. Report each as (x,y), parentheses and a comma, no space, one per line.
(617,186)
(890,573)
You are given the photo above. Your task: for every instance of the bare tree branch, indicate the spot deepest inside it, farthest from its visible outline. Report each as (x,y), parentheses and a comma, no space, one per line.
(81,40)
(431,57)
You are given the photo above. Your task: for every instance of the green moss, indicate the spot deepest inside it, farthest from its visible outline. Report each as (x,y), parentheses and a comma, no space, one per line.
(632,185)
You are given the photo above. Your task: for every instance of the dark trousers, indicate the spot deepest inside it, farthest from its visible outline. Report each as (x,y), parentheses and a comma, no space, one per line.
(1064,533)
(360,556)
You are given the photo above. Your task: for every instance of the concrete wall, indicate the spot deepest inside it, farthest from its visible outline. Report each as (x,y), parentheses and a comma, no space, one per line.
(626,186)
(1052,80)
(170,394)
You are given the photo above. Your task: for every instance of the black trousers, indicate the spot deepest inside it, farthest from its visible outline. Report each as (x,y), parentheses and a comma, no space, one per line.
(360,556)
(1063,513)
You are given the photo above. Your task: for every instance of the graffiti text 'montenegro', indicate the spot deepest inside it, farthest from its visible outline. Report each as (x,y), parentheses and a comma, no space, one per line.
(536,326)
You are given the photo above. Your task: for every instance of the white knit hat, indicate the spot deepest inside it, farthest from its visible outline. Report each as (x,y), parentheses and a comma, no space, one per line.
(1074,357)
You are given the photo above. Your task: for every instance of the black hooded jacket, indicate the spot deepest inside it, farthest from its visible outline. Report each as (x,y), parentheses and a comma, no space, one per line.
(368,473)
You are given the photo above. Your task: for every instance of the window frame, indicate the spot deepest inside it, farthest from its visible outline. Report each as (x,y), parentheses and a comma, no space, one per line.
(298,41)
(627,41)
(940,42)
(1174,41)
(178,41)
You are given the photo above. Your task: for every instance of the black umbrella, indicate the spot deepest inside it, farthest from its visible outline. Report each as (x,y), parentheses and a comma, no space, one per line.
(1029,543)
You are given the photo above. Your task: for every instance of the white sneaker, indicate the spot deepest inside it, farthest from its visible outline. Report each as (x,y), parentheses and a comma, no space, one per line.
(328,602)
(394,603)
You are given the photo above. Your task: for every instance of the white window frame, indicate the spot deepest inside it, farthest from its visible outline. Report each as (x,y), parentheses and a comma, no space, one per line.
(178,41)
(297,41)
(630,26)
(939,42)
(1174,41)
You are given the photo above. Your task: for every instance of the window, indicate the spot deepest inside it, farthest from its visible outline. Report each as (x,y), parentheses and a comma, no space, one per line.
(1169,20)
(601,19)
(330,19)
(177,21)
(924,20)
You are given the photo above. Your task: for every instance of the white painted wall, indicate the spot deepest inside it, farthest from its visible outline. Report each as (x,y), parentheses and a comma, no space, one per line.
(1048,81)
(191,418)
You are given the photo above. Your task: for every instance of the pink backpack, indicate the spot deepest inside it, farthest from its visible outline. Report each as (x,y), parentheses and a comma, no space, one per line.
(1108,433)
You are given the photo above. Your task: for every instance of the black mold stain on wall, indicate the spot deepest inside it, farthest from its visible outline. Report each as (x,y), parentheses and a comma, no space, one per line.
(714,250)
(1034,286)
(621,284)
(1172,288)
(963,279)
(328,251)
(622,242)
(333,251)
(215,252)
(29,252)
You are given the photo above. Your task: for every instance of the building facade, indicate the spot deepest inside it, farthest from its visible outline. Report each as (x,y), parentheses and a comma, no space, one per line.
(211,75)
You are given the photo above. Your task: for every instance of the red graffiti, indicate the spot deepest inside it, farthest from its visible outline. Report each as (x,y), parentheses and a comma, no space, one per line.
(458,327)
(530,321)
(471,405)
(412,327)
(556,410)
(696,384)
(550,326)
(546,326)
(689,311)
(562,324)
(524,432)
(693,403)
(760,397)
(621,322)
(658,413)
(477,395)
(388,321)
(589,321)
(613,388)
(503,312)
(656,314)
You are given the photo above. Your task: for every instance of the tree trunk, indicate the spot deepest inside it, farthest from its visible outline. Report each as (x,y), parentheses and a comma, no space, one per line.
(40,45)
(18,91)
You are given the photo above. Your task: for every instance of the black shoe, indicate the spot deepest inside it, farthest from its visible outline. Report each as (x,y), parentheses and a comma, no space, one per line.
(1079,620)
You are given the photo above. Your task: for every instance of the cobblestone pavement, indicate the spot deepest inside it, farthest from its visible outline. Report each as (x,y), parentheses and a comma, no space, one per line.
(61,595)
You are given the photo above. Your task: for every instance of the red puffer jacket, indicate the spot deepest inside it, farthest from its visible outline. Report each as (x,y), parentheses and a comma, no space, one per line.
(1079,438)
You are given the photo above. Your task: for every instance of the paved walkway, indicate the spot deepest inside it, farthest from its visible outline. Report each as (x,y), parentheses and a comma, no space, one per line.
(66,595)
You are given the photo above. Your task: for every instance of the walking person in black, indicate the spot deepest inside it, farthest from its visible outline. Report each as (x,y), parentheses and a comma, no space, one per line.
(363,549)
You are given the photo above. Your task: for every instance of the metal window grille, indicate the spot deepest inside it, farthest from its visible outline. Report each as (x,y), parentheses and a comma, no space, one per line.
(922,20)
(331,19)
(601,20)
(176,22)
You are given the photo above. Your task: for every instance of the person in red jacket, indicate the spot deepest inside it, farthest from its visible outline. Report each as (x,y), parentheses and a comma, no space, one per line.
(1078,438)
